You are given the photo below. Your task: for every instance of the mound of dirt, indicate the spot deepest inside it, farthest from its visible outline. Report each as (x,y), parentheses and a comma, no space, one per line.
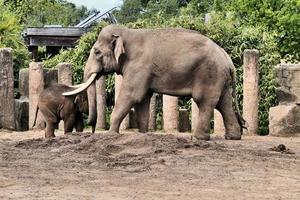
(116,150)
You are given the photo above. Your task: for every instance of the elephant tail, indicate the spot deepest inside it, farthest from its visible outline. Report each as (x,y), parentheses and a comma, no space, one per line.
(36,113)
(242,122)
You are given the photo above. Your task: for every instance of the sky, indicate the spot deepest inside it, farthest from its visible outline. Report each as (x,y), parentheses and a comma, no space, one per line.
(100,5)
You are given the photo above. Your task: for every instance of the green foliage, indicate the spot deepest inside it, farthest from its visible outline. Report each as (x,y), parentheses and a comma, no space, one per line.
(10,37)
(37,13)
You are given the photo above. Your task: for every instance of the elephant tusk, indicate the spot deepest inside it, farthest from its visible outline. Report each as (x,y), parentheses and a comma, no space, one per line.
(83,86)
(76,86)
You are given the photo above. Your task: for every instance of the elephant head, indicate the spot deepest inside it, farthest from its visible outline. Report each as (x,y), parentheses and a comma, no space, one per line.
(104,58)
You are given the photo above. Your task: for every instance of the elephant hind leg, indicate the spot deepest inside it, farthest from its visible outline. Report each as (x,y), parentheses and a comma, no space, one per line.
(233,130)
(202,129)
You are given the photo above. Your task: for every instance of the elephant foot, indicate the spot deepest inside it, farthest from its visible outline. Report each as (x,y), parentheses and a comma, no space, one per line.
(204,136)
(233,136)
(49,135)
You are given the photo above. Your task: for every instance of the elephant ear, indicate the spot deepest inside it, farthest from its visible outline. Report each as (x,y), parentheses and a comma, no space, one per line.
(118,47)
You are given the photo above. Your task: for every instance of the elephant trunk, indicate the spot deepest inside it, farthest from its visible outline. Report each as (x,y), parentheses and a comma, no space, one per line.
(91,93)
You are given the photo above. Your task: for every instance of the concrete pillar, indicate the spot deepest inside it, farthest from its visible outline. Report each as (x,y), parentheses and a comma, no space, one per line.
(36,86)
(170,113)
(195,113)
(7,103)
(118,82)
(23,82)
(101,103)
(183,121)
(152,112)
(219,128)
(250,90)
(65,73)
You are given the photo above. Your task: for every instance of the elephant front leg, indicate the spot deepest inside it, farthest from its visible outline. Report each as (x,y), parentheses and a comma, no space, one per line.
(142,112)
(132,91)
(50,128)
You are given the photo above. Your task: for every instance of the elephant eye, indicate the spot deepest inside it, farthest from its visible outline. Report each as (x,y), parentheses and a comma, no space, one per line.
(97,52)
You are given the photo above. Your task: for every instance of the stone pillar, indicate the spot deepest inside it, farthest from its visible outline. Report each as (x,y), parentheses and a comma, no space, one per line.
(118,82)
(36,86)
(24,82)
(195,113)
(7,103)
(250,90)
(183,121)
(65,73)
(170,113)
(219,128)
(101,103)
(152,112)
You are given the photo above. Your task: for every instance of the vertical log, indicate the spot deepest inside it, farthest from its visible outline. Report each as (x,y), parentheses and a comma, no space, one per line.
(118,82)
(195,113)
(7,103)
(65,77)
(101,103)
(152,112)
(65,73)
(250,90)
(183,121)
(36,86)
(170,113)
(24,82)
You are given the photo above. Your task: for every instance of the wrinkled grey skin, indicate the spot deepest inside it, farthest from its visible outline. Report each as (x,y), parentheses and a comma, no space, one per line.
(171,61)
(55,107)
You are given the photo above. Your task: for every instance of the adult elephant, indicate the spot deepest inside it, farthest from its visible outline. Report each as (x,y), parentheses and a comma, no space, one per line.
(171,61)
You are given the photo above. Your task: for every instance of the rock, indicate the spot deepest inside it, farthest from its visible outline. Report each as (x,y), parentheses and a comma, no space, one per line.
(284,120)
(285,96)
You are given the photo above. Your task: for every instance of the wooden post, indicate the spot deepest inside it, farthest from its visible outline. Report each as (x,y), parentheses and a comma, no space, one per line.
(36,86)
(64,77)
(65,74)
(183,121)
(118,82)
(7,103)
(24,82)
(250,90)
(101,103)
(195,113)
(170,113)
(152,111)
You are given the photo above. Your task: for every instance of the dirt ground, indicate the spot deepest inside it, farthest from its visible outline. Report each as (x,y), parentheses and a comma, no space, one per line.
(147,166)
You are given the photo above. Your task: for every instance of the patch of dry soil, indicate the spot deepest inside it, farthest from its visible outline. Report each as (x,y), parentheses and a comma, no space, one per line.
(147,166)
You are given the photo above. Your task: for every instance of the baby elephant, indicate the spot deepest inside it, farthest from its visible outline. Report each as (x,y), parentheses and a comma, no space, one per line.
(55,107)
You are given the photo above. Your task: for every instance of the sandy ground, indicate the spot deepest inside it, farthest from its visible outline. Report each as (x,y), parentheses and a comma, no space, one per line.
(147,166)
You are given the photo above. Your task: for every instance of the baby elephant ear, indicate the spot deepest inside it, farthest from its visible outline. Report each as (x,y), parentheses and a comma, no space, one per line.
(119,47)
